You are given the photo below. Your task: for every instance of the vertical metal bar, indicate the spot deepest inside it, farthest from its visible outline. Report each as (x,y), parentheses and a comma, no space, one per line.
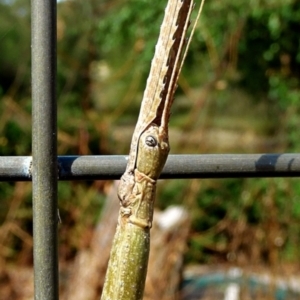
(44,136)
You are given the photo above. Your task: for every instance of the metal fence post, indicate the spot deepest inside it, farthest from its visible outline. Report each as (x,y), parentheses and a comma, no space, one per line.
(44,136)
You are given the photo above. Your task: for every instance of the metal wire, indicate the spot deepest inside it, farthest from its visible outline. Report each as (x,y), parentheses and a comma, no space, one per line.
(177,166)
(44,138)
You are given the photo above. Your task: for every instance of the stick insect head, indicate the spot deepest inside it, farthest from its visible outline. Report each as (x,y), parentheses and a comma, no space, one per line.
(153,151)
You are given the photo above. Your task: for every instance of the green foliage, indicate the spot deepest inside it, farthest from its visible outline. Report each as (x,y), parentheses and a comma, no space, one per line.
(127,24)
(14,45)
(16,142)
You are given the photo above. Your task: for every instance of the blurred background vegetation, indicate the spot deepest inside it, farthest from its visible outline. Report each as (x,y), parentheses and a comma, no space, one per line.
(239,93)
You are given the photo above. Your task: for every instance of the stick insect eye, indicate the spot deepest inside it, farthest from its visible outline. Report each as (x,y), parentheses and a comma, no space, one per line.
(151,141)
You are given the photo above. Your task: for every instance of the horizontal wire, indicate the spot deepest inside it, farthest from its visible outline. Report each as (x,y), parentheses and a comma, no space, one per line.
(18,168)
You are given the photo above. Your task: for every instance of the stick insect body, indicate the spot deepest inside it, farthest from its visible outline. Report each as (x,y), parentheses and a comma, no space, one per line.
(125,278)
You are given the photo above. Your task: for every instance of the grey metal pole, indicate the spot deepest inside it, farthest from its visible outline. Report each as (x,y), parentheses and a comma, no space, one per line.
(44,153)
(18,168)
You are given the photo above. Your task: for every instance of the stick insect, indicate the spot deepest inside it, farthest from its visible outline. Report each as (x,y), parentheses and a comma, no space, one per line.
(125,278)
